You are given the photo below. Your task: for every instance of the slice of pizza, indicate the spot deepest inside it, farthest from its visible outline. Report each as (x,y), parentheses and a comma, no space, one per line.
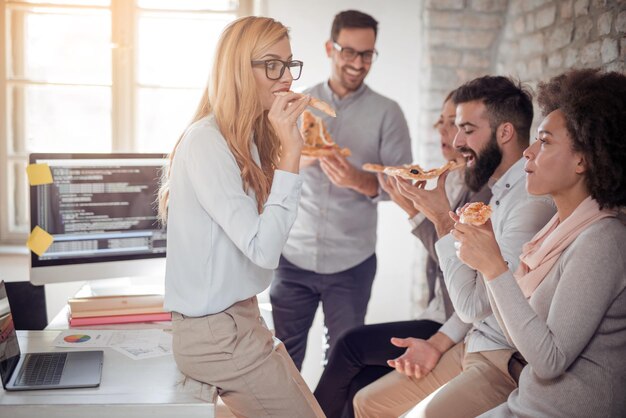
(379,168)
(317,140)
(475,213)
(315,103)
(417,173)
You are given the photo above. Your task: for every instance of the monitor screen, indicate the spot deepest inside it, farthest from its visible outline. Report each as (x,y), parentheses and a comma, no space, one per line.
(101,211)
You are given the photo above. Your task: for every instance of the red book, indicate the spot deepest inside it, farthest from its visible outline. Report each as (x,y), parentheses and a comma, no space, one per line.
(120,319)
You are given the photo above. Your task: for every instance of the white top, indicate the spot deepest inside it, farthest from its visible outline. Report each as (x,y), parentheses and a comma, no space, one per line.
(220,250)
(517,217)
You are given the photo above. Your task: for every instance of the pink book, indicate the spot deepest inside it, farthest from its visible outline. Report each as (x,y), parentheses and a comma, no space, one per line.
(120,319)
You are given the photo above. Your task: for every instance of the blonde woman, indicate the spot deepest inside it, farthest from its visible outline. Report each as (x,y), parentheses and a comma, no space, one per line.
(229,198)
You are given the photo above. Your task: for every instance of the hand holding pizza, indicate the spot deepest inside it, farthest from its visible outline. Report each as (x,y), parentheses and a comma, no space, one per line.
(433,203)
(343,174)
(390,185)
(477,247)
(283,115)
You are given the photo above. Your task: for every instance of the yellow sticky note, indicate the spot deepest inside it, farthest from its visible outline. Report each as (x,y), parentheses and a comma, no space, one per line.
(39,241)
(39,174)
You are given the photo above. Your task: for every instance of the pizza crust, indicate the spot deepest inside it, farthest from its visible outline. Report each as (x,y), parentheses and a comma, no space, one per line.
(475,213)
(315,103)
(373,168)
(379,168)
(323,106)
(324,152)
(417,173)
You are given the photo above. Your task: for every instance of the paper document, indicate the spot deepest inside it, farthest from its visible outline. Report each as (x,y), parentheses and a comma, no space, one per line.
(136,344)
(159,344)
(83,339)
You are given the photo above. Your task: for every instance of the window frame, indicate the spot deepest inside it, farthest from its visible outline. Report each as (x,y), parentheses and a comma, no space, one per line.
(124,86)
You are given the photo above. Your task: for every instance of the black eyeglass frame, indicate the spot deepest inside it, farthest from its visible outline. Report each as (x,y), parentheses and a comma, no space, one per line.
(286,64)
(356,53)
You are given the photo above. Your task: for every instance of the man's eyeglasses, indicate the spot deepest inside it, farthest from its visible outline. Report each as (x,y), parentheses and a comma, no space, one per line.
(350,54)
(275,68)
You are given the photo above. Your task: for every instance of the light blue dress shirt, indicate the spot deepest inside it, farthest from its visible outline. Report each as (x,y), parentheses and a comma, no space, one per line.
(517,217)
(220,250)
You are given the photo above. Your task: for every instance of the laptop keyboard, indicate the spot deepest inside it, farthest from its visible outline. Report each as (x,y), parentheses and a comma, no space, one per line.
(42,369)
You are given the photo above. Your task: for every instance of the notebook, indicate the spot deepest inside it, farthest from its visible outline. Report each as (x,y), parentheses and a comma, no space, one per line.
(54,370)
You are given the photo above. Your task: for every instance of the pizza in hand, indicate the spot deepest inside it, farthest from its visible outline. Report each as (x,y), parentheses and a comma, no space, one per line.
(475,213)
(379,168)
(315,103)
(415,172)
(317,140)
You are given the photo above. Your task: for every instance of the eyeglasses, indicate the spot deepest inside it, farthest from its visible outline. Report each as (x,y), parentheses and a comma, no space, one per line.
(275,68)
(350,54)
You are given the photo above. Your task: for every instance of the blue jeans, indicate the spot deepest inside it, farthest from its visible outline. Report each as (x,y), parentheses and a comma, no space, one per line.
(295,294)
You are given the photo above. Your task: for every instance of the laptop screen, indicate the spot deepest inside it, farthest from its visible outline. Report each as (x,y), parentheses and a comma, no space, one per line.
(9,348)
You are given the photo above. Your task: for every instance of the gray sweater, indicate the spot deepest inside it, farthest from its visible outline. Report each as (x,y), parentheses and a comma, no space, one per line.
(573,332)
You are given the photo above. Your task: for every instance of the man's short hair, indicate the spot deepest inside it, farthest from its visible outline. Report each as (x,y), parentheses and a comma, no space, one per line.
(352,19)
(505,99)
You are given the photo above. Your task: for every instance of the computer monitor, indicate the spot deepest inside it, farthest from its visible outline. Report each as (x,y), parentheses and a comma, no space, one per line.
(101,211)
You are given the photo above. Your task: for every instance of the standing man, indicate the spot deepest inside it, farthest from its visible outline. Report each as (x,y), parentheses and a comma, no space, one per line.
(329,256)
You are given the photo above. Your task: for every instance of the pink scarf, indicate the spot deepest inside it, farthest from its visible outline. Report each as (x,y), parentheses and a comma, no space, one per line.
(542,252)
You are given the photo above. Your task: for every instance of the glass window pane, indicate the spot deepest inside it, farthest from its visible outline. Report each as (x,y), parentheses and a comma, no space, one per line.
(69,2)
(65,48)
(178,52)
(163,116)
(189,4)
(18,192)
(64,119)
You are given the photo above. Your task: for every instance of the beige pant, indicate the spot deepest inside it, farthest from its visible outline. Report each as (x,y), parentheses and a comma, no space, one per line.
(461,385)
(234,351)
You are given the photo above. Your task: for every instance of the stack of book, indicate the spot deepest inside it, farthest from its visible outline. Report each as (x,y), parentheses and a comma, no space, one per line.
(89,307)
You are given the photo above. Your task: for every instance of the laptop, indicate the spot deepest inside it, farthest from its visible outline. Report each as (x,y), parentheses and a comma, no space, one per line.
(32,371)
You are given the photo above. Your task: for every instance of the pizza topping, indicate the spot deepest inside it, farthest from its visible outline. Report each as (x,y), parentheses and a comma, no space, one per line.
(475,213)
(317,139)
(410,174)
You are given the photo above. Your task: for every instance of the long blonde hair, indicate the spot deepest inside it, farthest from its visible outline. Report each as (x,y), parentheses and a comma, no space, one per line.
(231,95)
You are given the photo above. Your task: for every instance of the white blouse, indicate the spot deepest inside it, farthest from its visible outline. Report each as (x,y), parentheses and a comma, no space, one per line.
(220,250)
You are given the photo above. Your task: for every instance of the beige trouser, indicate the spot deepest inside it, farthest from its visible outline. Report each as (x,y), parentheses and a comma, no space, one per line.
(234,351)
(461,385)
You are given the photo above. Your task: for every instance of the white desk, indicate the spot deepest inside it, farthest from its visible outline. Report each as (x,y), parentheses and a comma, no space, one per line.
(130,388)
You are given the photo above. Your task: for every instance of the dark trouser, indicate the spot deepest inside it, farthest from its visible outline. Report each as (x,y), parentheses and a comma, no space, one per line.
(360,358)
(295,294)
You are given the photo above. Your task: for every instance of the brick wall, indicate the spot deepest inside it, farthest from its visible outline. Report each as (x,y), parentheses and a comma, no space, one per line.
(459,42)
(528,39)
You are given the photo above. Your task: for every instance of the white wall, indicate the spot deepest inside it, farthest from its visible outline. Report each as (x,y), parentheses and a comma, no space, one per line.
(395,75)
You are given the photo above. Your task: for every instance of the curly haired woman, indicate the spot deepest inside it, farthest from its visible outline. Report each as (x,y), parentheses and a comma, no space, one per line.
(565,307)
